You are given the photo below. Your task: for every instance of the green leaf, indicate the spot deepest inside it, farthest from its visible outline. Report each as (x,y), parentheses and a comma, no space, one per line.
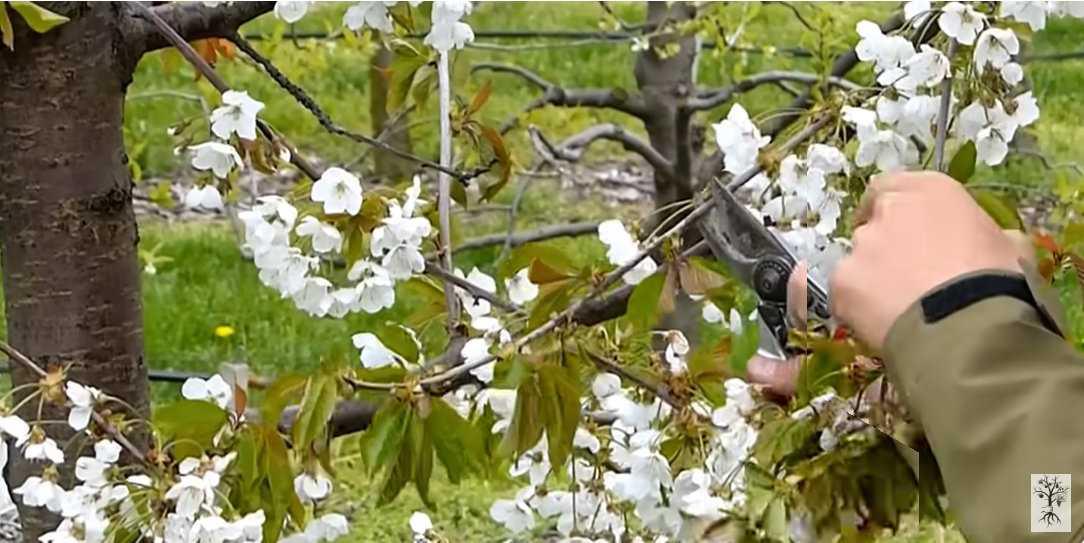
(775,520)
(522,256)
(281,393)
(39,19)
(553,298)
(962,166)
(384,437)
(560,410)
(400,75)
(457,443)
(1002,211)
(782,437)
(526,427)
(190,425)
(744,346)
(7,34)
(280,480)
(420,446)
(643,308)
(317,404)
(398,339)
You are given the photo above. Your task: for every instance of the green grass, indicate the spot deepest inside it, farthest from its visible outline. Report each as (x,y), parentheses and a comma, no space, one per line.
(208,284)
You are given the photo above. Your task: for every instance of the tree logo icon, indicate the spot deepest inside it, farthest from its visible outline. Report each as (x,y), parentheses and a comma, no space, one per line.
(1051,496)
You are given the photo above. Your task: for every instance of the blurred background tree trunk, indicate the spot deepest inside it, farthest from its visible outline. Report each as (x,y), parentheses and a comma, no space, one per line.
(386,166)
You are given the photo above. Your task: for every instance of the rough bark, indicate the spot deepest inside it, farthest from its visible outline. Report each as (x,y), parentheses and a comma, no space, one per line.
(665,83)
(71,271)
(386,166)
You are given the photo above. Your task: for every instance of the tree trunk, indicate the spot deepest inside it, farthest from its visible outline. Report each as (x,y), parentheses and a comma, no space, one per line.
(386,166)
(664,83)
(70,265)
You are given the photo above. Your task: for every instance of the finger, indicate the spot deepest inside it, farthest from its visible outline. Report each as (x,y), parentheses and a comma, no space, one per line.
(780,377)
(798,296)
(839,285)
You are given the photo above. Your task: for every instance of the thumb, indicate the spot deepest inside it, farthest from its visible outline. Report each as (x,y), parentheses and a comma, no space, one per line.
(780,377)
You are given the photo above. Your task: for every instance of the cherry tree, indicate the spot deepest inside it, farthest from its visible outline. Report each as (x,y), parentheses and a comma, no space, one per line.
(617,428)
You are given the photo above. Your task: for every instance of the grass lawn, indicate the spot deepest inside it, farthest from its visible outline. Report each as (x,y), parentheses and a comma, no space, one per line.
(208,284)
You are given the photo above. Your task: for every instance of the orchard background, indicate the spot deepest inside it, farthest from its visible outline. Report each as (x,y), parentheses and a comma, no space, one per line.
(204,304)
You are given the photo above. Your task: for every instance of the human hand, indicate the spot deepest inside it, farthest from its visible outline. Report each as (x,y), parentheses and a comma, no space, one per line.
(780,377)
(918,230)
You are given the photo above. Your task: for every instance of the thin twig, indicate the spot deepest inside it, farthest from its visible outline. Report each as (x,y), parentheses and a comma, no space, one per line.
(530,236)
(474,290)
(943,113)
(322,117)
(109,429)
(659,390)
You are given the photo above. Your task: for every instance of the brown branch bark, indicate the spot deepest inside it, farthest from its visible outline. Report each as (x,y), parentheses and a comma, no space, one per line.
(541,234)
(192,20)
(572,148)
(711,98)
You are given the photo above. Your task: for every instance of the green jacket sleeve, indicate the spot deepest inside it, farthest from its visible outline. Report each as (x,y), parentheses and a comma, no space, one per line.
(1000,397)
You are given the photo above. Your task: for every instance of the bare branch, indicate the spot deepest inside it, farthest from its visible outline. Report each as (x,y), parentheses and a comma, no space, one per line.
(943,113)
(529,76)
(474,290)
(541,234)
(572,148)
(322,117)
(711,98)
(192,21)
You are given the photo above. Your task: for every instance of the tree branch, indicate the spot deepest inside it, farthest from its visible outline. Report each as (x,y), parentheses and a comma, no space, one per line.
(541,234)
(322,117)
(529,76)
(193,21)
(711,98)
(572,148)
(943,113)
(555,95)
(474,290)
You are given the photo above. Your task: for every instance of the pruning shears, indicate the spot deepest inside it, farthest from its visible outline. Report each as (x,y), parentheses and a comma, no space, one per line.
(760,260)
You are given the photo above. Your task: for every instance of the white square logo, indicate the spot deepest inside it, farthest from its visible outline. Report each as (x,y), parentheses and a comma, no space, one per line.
(1051,498)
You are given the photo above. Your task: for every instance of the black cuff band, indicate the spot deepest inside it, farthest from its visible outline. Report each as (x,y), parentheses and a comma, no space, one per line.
(962,293)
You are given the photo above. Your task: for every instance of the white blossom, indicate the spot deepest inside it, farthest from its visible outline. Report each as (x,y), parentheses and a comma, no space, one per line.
(220,158)
(43,448)
(206,197)
(995,47)
(605,385)
(339,191)
(520,288)
(215,390)
(622,249)
(885,52)
(961,22)
(291,11)
(474,351)
(1031,12)
(711,313)
(677,347)
(312,487)
(325,237)
(514,514)
(15,427)
(39,492)
(375,288)
(1012,73)
(447,31)
(373,352)
(420,523)
(314,297)
(914,8)
(739,139)
(237,114)
(369,14)
(82,399)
